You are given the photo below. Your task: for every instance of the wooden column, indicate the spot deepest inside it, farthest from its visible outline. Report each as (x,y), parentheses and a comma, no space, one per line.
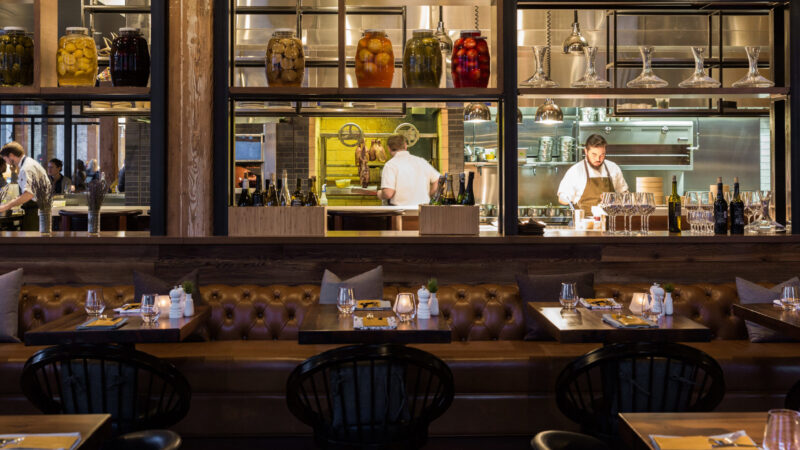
(109,147)
(190,118)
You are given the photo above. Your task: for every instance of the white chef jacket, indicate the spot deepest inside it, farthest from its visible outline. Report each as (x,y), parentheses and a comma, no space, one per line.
(574,181)
(411,177)
(28,170)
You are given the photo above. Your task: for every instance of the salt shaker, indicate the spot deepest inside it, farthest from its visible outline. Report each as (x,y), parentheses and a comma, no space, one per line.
(423,310)
(175,295)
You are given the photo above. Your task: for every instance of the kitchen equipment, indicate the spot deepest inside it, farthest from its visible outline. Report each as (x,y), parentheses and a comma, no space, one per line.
(654,185)
(567,146)
(16,57)
(130,59)
(343,183)
(490,154)
(523,211)
(471,60)
(76,59)
(537,211)
(469,154)
(588,115)
(522,154)
(422,60)
(285,60)
(545,148)
(553,211)
(374,60)
(480,153)
(601,114)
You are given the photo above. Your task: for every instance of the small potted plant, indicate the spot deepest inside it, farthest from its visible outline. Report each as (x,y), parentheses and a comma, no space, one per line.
(188,303)
(433,288)
(668,289)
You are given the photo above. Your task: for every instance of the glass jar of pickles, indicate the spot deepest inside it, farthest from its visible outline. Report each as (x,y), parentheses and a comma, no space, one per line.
(374,60)
(16,57)
(285,60)
(471,61)
(422,60)
(130,59)
(76,59)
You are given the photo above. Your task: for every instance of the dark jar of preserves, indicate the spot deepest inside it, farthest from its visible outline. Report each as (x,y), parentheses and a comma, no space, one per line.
(471,62)
(130,59)
(16,57)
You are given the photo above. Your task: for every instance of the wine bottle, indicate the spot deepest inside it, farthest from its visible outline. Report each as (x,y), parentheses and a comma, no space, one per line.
(469,195)
(285,197)
(323,199)
(674,206)
(737,210)
(272,194)
(460,197)
(449,196)
(244,197)
(438,196)
(720,211)
(311,197)
(258,196)
(297,195)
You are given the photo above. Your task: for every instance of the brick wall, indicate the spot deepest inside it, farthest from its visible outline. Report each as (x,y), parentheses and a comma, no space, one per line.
(137,163)
(455,140)
(292,149)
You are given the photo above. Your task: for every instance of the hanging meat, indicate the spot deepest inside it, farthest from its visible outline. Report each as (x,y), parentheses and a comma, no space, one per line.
(373,153)
(363,164)
(381,153)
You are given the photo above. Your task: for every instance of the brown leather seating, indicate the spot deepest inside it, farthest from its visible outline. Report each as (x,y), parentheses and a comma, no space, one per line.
(503,384)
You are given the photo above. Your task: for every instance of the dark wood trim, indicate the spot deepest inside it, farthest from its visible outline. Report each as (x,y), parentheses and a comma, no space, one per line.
(794,106)
(223,115)
(158,117)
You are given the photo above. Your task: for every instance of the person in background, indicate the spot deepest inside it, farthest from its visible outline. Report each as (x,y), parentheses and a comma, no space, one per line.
(92,171)
(61,184)
(406,180)
(79,177)
(121,179)
(584,183)
(14,155)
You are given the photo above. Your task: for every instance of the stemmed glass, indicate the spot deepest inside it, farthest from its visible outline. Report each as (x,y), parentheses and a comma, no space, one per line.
(783,430)
(790,297)
(692,205)
(699,79)
(148,309)
(706,210)
(753,79)
(590,78)
(647,206)
(609,201)
(94,302)
(568,295)
(765,224)
(346,302)
(539,79)
(647,79)
(628,206)
(752,208)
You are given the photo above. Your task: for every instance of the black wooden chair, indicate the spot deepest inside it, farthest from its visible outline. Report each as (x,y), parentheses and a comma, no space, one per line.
(370,396)
(138,390)
(793,398)
(566,440)
(638,377)
(145,440)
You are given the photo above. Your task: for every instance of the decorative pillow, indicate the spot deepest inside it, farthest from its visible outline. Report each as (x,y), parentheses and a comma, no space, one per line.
(366,286)
(750,292)
(144,283)
(546,288)
(10,285)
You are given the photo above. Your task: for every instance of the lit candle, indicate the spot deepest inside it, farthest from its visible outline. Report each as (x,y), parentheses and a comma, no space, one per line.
(404,306)
(163,303)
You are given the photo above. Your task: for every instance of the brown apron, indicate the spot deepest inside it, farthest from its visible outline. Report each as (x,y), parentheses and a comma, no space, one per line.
(594,189)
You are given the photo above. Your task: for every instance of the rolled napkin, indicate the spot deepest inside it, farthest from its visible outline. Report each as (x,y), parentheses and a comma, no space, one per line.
(600,303)
(627,321)
(374,323)
(739,438)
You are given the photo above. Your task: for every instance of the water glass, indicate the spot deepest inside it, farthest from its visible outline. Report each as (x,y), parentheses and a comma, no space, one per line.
(94,302)
(149,309)
(782,431)
(346,301)
(568,296)
(790,298)
(405,307)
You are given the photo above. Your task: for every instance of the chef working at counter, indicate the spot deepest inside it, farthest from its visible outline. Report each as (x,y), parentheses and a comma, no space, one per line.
(14,155)
(407,180)
(585,182)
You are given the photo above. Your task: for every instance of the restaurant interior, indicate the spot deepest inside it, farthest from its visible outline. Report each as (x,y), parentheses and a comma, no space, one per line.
(438,224)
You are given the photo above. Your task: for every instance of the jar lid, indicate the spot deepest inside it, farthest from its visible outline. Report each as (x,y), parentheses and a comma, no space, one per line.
(470,32)
(284,30)
(374,30)
(77,30)
(423,30)
(22,29)
(128,30)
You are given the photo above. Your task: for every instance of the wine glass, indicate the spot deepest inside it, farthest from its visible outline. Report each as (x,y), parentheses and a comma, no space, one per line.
(628,210)
(691,205)
(568,296)
(346,302)
(782,431)
(765,224)
(94,302)
(647,79)
(699,79)
(148,309)
(608,201)
(647,206)
(790,298)
(752,207)
(706,202)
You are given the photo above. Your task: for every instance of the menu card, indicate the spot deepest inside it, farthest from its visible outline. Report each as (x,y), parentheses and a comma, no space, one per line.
(54,441)
(103,323)
(627,321)
(374,323)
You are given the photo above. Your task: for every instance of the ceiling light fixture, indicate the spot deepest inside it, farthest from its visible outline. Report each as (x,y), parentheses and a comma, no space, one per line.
(477,112)
(549,113)
(575,42)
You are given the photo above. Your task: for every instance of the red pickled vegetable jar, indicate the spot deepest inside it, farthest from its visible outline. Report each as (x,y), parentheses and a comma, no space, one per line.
(471,61)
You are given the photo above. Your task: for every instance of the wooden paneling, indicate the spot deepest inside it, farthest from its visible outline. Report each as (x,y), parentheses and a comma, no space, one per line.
(190,99)
(449,220)
(46,45)
(277,221)
(109,147)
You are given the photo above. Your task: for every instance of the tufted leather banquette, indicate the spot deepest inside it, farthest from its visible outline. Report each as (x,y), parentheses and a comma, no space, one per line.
(503,384)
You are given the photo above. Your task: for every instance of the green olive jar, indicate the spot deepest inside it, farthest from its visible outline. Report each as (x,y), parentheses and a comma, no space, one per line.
(16,57)
(422,60)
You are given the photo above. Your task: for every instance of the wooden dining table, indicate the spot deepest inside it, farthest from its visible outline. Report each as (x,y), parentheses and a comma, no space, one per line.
(95,429)
(771,316)
(635,428)
(587,325)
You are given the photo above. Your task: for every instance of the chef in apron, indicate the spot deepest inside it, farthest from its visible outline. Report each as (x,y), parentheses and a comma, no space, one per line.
(584,183)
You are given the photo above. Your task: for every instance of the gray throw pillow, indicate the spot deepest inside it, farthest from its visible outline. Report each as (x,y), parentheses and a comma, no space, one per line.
(366,286)
(546,288)
(144,283)
(10,285)
(750,292)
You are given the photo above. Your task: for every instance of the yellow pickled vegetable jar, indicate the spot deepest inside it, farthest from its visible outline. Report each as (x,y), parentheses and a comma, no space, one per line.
(285,59)
(76,60)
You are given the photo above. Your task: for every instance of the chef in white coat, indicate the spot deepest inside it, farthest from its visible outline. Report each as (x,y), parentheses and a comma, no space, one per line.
(406,180)
(584,183)
(29,169)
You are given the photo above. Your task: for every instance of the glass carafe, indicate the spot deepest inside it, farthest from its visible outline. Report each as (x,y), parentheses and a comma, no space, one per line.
(647,79)
(374,60)
(699,79)
(76,59)
(753,79)
(590,78)
(539,79)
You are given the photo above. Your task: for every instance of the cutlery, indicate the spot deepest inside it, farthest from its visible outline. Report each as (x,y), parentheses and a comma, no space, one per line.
(4,442)
(727,442)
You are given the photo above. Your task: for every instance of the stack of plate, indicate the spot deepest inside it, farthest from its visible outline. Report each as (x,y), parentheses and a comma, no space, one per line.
(652,184)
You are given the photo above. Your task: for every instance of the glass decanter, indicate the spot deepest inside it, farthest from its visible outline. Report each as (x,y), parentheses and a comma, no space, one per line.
(753,79)
(647,79)
(539,78)
(699,79)
(590,78)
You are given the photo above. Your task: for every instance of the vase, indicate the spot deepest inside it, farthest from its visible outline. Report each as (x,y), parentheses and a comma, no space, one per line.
(590,78)
(753,79)
(45,222)
(647,79)
(699,79)
(94,223)
(540,79)
(188,306)
(434,304)
(668,309)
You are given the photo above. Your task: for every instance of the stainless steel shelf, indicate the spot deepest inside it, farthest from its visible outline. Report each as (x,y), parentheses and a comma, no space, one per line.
(774,93)
(113,9)
(310,62)
(319,10)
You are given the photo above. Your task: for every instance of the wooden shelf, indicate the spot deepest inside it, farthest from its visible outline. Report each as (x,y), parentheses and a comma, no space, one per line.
(365,94)
(774,93)
(108,93)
